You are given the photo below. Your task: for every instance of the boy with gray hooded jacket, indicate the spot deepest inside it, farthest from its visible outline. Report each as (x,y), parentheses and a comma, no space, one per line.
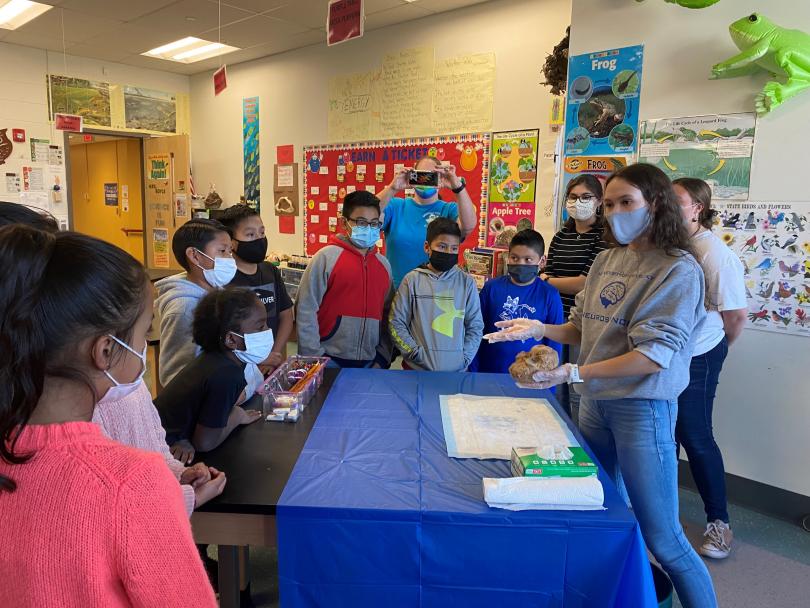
(435,318)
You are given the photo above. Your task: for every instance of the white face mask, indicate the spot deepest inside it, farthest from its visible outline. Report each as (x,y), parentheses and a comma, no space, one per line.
(581,209)
(221,274)
(118,390)
(257,346)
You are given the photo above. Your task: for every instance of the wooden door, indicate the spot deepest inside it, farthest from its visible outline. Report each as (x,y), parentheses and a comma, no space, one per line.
(105,190)
(167,196)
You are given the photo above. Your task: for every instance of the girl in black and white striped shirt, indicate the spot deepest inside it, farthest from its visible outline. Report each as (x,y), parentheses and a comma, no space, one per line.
(571,254)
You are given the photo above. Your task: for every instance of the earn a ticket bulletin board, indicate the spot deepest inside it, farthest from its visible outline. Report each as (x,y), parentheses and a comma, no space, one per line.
(333,171)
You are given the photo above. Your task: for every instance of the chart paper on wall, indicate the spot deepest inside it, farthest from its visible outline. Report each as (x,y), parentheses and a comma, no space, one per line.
(604,90)
(773,242)
(715,148)
(406,92)
(464,93)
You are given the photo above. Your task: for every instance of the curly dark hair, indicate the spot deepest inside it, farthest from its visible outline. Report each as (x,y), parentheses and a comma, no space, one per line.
(555,69)
(219,312)
(667,231)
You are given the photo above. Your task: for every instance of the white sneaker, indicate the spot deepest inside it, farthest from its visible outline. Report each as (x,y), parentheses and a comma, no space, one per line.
(717,543)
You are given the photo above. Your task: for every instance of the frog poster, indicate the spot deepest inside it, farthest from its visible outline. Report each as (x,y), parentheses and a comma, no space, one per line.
(604,90)
(714,148)
(513,172)
(772,241)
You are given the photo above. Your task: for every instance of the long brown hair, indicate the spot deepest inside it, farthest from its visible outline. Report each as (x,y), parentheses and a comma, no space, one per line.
(668,231)
(700,193)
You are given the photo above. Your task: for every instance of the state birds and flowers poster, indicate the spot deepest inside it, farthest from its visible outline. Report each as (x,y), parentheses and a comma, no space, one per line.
(773,242)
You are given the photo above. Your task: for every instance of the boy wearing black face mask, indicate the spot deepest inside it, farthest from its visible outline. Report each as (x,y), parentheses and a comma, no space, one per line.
(436,316)
(249,250)
(520,294)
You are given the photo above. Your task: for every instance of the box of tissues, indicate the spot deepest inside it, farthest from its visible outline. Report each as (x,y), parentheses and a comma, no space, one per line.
(552,461)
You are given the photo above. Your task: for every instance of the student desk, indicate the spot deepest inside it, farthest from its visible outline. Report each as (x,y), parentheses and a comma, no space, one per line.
(376,514)
(257,460)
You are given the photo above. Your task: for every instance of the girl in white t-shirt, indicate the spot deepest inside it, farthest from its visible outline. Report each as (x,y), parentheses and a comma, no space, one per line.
(726,307)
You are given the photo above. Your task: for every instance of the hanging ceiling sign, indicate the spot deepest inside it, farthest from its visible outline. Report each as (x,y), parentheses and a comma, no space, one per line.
(220,80)
(344,21)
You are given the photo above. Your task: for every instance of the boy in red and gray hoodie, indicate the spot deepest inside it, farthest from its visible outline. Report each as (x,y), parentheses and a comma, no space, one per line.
(346,291)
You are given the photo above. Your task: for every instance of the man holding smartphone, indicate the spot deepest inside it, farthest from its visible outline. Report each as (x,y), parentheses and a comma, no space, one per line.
(405,220)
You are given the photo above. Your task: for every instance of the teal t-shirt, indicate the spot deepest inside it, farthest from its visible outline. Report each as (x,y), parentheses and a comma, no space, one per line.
(405,227)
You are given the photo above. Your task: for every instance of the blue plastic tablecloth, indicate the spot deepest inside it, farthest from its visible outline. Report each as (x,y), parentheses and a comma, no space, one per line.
(376,514)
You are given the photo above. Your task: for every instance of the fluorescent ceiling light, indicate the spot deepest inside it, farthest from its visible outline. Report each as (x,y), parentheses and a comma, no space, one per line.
(189,50)
(15,13)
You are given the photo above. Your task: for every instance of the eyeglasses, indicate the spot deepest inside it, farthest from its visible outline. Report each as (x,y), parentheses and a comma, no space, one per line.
(362,223)
(585,198)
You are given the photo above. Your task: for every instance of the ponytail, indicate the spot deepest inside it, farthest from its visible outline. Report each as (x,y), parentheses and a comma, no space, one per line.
(56,291)
(24,255)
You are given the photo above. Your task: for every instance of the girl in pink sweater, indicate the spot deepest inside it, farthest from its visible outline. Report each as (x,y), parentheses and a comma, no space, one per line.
(134,421)
(85,521)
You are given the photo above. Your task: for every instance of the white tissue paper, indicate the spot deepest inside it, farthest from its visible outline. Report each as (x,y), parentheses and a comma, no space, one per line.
(535,493)
(555,452)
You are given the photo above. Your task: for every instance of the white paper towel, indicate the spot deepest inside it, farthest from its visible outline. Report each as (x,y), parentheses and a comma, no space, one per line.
(557,494)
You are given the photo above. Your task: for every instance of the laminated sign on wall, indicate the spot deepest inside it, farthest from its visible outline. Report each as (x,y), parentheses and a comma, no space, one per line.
(773,242)
(604,90)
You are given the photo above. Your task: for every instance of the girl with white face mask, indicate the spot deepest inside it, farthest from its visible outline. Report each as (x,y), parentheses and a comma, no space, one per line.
(570,255)
(204,249)
(201,406)
(74,313)
(636,321)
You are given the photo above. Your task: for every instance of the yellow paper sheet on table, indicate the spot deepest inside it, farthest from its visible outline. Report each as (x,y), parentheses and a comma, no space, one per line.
(463,93)
(350,104)
(406,93)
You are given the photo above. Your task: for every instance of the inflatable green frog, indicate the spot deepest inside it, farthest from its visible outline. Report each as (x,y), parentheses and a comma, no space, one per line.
(766,46)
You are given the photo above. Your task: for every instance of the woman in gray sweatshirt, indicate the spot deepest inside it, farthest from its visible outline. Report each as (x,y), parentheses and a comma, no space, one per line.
(636,321)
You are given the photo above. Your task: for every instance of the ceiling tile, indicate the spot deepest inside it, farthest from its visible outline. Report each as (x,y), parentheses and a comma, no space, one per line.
(78,26)
(375,6)
(152,63)
(440,6)
(189,18)
(128,38)
(256,6)
(309,13)
(50,43)
(256,30)
(407,12)
(105,53)
(119,10)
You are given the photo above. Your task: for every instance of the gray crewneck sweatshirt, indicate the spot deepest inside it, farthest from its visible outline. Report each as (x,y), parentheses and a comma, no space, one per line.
(646,301)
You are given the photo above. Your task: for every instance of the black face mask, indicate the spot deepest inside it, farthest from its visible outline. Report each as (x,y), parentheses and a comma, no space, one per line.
(253,252)
(443,261)
(523,273)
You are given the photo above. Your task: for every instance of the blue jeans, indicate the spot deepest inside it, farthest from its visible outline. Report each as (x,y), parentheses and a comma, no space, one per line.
(634,440)
(694,431)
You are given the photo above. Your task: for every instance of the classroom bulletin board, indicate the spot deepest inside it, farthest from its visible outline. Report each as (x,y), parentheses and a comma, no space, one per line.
(333,171)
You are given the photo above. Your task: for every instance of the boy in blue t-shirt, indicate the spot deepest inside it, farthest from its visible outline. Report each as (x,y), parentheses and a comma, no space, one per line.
(405,220)
(521,294)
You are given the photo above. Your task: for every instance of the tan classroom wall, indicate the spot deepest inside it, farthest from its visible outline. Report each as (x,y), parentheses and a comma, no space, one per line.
(292,89)
(761,419)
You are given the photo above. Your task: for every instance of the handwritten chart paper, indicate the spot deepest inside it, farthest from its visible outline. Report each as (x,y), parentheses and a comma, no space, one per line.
(350,98)
(463,93)
(407,92)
